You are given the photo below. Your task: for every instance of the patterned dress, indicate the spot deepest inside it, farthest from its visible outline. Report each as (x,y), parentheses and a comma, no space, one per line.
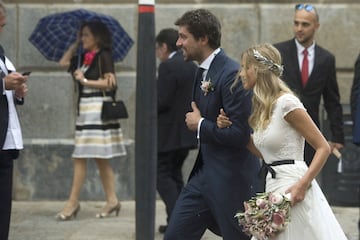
(95,138)
(311,219)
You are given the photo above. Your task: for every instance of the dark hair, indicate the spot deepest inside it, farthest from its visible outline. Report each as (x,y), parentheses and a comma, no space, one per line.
(168,36)
(101,33)
(201,23)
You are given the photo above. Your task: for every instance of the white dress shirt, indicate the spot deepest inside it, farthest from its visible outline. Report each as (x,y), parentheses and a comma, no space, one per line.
(311,55)
(206,65)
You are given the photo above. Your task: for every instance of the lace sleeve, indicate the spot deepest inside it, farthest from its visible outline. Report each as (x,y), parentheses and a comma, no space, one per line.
(289,103)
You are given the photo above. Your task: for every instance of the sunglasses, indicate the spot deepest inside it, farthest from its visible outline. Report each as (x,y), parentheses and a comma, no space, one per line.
(307,7)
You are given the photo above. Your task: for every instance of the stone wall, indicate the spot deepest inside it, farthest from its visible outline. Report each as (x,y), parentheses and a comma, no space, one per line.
(48,116)
(179,1)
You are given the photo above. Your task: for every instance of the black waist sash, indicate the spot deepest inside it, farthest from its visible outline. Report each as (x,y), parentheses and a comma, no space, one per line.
(265,168)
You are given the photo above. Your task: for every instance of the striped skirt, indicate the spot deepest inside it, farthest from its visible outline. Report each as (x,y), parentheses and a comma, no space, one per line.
(95,138)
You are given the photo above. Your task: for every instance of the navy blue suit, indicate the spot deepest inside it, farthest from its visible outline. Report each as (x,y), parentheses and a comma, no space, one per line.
(224,174)
(354,102)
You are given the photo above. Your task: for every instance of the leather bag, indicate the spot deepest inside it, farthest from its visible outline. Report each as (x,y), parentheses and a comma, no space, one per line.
(113,109)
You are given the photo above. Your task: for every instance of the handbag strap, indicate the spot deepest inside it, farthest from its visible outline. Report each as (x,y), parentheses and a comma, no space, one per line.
(113,91)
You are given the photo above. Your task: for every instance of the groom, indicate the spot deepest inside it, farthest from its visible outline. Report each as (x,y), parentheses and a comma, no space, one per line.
(224,173)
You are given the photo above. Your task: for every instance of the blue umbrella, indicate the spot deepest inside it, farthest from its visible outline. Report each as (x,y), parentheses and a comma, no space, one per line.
(56,32)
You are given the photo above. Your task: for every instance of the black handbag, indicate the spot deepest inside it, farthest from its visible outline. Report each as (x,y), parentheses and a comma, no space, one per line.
(113,109)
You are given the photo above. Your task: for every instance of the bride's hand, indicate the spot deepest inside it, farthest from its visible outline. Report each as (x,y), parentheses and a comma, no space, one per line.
(222,121)
(297,192)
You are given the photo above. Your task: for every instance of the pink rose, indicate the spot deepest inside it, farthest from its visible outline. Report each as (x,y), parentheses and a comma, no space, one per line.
(276,198)
(278,218)
(261,203)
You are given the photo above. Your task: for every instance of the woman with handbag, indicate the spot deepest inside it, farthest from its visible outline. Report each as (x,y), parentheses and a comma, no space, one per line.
(94,74)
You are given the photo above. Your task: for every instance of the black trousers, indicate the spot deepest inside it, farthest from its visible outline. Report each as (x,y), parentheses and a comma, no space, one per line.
(169,177)
(6,175)
(192,215)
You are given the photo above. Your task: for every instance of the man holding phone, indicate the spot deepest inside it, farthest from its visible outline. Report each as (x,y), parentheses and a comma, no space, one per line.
(12,90)
(26,73)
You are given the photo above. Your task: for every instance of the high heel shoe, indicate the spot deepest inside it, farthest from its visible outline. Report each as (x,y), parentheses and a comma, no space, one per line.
(107,210)
(61,216)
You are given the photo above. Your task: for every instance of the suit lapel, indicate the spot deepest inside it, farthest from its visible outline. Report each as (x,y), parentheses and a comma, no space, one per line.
(293,57)
(196,92)
(317,60)
(213,75)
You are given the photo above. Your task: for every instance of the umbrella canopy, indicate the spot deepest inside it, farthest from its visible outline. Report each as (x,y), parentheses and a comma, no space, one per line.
(54,33)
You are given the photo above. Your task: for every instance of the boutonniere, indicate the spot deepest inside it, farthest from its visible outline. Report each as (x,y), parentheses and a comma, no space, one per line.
(207,86)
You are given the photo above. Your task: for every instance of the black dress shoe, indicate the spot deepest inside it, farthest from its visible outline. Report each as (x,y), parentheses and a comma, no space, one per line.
(162,228)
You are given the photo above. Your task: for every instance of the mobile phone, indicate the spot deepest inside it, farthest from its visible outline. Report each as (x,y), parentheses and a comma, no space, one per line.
(26,73)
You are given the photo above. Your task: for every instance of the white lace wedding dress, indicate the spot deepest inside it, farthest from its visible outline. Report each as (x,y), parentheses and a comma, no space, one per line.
(311,219)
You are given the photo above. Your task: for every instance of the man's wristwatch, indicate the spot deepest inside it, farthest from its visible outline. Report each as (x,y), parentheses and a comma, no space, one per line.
(85,80)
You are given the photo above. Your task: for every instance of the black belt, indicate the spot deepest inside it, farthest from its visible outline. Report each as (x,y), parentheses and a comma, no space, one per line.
(96,94)
(265,168)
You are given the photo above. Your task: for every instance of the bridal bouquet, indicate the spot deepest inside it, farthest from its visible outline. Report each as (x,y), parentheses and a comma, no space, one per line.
(265,215)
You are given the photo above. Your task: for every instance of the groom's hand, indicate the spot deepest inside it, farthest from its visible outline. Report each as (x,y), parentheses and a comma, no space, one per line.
(192,118)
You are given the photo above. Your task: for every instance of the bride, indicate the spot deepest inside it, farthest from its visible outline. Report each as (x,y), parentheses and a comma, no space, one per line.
(281,125)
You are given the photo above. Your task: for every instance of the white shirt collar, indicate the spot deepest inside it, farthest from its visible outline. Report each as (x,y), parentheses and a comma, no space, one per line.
(300,48)
(206,63)
(172,54)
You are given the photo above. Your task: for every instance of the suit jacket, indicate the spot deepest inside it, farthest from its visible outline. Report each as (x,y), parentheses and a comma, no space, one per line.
(321,83)
(175,82)
(355,89)
(355,102)
(4,114)
(4,110)
(228,169)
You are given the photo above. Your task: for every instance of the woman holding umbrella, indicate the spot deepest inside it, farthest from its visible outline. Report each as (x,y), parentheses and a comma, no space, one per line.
(101,140)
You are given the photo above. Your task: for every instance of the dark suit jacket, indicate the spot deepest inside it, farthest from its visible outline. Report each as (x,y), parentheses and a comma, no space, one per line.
(355,88)
(175,82)
(4,111)
(321,83)
(228,169)
(355,102)
(4,115)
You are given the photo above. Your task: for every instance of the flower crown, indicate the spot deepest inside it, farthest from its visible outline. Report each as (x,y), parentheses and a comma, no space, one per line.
(274,67)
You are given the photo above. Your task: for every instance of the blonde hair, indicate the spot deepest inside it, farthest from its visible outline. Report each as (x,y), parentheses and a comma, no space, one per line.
(266,60)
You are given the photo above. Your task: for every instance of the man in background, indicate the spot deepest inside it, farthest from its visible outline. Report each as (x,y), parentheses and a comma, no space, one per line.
(175,81)
(12,91)
(309,70)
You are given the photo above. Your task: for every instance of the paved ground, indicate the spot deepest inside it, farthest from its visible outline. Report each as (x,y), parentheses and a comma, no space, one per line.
(35,221)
